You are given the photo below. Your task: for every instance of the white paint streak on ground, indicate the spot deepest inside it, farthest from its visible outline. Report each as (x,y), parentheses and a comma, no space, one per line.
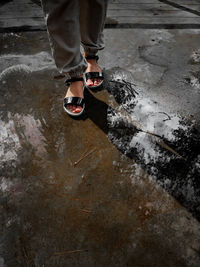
(14,133)
(9,141)
(46,18)
(5,184)
(11,63)
(32,132)
(13,69)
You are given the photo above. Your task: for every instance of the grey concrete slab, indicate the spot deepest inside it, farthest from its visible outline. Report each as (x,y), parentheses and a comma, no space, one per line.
(27,15)
(118,187)
(164,64)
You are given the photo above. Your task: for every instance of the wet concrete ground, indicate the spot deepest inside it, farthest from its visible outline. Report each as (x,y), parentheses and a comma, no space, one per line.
(118,187)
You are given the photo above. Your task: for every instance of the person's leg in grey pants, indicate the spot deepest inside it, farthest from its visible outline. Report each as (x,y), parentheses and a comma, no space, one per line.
(66,33)
(69,24)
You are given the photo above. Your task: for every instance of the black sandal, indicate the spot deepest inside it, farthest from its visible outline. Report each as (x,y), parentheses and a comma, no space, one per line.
(93,75)
(73,100)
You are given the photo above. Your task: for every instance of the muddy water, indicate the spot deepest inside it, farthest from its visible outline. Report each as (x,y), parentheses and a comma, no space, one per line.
(113,188)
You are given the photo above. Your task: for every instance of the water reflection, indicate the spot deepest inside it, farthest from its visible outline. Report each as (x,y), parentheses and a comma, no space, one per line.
(165,145)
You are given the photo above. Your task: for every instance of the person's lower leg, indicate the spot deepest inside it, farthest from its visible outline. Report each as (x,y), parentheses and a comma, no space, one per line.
(64,34)
(92,20)
(92,67)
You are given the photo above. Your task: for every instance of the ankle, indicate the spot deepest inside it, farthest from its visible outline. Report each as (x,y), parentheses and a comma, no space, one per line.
(91,57)
(91,62)
(77,77)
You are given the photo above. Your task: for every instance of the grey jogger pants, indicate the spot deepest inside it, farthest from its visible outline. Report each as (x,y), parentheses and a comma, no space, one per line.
(71,23)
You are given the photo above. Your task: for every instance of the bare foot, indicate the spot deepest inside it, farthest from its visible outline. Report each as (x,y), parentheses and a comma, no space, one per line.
(76,90)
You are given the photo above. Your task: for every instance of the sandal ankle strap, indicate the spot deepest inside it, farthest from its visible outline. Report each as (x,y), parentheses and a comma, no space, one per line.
(92,57)
(68,81)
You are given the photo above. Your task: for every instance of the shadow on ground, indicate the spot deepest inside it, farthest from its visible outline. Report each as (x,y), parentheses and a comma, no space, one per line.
(166,146)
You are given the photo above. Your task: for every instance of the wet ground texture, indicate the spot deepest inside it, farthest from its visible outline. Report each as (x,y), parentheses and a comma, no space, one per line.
(117,187)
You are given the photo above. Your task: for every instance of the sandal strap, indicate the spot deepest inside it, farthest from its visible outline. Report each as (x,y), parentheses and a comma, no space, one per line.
(72,100)
(75,79)
(92,57)
(94,75)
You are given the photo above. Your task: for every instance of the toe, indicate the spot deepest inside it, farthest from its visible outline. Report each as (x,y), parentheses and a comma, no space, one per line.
(90,82)
(78,109)
(97,82)
(73,107)
(69,107)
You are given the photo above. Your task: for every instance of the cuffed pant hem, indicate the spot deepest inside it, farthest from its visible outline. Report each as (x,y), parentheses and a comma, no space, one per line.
(75,71)
(91,51)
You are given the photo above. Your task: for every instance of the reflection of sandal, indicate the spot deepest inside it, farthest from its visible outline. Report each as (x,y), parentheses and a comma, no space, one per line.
(73,100)
(93,75)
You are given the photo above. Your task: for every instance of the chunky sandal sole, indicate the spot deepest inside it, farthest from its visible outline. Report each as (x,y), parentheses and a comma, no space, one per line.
(74,114)
(93,75)
(73,100)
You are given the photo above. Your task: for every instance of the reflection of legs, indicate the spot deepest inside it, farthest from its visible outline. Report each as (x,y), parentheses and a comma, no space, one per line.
(62,19)
(92,20)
